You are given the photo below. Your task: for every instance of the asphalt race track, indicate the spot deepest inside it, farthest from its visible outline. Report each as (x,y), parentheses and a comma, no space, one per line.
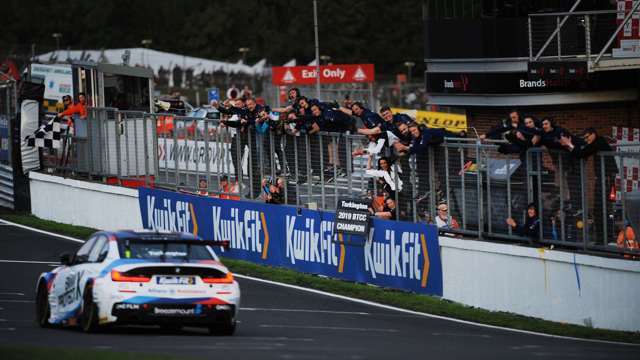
(276,322)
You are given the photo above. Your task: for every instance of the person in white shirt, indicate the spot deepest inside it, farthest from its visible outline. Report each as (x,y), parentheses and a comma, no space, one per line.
(444,220)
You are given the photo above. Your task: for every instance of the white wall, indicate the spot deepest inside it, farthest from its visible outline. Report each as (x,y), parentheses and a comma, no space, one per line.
(543,283)
(84,203)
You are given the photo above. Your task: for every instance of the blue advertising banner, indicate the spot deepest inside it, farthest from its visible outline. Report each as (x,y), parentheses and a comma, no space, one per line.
(396,254)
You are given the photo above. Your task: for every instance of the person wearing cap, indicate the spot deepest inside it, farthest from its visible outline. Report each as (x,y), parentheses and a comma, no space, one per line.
(531,226)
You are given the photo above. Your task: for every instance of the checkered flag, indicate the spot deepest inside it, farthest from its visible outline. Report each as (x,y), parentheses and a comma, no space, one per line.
(47,136)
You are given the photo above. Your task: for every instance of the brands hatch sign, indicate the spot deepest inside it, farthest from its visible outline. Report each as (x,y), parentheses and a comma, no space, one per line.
(329,74)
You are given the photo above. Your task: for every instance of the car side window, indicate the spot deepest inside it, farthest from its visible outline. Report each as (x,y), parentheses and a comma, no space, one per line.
(82,255)
(100,247)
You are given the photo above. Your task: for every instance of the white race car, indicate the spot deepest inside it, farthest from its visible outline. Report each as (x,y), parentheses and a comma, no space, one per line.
(126,277)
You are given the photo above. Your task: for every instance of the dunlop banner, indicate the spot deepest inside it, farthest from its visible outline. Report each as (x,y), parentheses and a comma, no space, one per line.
(434,119)
(395,254)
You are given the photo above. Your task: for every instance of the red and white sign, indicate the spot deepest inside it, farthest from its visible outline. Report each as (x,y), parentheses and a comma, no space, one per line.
(329,74)
(629,37)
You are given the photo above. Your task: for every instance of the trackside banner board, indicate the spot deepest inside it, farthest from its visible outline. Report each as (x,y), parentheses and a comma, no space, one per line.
(396,254)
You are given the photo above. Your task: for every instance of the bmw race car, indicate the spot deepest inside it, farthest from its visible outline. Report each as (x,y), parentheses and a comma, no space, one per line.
(127,277)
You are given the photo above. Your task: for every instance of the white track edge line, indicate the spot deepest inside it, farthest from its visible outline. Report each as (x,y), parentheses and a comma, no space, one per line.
(41,231)
(366,302)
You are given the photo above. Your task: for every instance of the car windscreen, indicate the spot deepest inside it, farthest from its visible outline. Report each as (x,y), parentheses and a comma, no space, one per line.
(163,251)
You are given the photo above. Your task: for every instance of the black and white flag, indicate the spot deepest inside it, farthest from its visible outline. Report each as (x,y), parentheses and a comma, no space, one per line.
(47,136)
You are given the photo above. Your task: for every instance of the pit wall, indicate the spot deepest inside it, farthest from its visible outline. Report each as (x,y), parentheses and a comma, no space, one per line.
(552,285)
(84,203)
(547,284)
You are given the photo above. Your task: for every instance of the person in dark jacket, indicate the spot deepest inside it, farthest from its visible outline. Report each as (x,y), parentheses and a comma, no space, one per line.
(245,135)
(531,226)
(503,127)
(526,136)
(567,172)
(605,169)
(369,118)
(332,120)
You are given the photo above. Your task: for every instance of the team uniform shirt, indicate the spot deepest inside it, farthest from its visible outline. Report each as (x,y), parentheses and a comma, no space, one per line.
(370,119)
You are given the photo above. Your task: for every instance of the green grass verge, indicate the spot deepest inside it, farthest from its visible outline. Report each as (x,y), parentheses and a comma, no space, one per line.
(33,353)
(421,303)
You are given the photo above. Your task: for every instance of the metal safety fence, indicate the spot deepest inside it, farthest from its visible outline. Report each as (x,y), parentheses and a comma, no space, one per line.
(464,186)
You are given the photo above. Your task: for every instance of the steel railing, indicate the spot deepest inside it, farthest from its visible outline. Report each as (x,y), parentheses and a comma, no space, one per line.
(581,35)
(481,186)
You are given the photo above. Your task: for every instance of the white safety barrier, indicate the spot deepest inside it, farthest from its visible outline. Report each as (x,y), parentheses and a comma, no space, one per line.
(84,203)
(549,284)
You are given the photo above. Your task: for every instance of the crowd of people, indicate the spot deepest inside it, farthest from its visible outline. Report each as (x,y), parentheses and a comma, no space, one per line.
(565,151)
(392,140)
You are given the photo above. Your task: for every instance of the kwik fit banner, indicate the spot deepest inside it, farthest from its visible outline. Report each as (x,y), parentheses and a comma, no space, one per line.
(396,254)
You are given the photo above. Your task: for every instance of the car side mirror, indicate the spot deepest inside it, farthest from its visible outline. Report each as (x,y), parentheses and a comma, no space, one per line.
(65,259)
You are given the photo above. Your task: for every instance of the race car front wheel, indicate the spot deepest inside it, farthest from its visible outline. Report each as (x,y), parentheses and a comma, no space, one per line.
(43,311)
(89,317)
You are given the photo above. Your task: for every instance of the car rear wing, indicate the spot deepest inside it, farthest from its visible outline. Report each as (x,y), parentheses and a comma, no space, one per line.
(172,240)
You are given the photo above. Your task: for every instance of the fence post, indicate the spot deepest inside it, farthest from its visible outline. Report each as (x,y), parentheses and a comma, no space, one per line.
(479,189)
(307,152)
(585,206)
(296,168)
(431,175)
(447,181)
(539,185)
(562,192)
(414,195)
(116,123)
(335,141)
(145,144)
(603,197)
(322,188)
(489,217)
(238,165)
(509,215)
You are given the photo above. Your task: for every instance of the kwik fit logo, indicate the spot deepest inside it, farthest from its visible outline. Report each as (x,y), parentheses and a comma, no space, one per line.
(406,257)
(170,215)
(245,230)
(306,241)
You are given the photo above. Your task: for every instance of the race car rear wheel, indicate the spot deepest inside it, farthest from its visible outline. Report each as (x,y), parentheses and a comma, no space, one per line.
(43,311)
(226,328)
(89,317)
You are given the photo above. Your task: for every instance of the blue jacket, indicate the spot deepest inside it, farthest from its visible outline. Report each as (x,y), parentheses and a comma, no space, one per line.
(335,121)
(370,119)
(428,137)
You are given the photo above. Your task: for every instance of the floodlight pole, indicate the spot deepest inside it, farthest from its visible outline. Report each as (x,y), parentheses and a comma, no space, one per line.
(315,26)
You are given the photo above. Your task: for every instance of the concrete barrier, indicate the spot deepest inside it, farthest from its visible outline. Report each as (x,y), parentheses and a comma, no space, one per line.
(549,284)
(84,203)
